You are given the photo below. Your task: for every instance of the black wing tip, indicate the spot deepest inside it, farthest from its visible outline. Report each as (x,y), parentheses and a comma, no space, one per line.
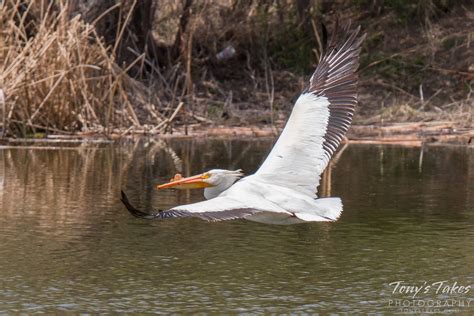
(124,197)
(340,35)
(126,202)
(336,78)
(132,210)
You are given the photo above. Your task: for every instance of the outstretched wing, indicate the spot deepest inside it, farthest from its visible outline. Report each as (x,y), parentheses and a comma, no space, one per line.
(320,117)
(217,209)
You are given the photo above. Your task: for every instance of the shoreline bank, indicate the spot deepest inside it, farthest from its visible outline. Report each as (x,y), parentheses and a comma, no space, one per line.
(405,134)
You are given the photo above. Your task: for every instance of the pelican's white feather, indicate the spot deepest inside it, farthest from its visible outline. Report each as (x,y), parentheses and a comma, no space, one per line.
(298,158)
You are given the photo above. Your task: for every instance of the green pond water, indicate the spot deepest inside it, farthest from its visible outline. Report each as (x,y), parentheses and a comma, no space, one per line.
(67,244)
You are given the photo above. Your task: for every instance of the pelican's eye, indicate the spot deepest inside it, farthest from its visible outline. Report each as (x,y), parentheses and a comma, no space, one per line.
(206,175)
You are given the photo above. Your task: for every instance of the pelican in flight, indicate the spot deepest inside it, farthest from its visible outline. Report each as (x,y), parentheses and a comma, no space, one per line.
(283,190)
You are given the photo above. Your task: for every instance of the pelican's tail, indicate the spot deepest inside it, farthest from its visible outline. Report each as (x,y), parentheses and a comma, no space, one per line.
(326,210)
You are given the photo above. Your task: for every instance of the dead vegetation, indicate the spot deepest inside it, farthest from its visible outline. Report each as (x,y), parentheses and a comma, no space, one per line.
(58,76)
(55,80)
(119,67)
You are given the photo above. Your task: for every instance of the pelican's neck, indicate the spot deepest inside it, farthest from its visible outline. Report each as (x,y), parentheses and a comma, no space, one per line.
(212,192)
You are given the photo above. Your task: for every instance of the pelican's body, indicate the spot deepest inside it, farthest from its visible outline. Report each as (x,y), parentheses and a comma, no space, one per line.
(257,200)
(283,190)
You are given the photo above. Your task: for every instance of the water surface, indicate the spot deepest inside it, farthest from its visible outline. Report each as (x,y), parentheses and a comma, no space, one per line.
(67,243)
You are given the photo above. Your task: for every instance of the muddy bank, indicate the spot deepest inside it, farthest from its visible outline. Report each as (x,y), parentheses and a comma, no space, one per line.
(405,134)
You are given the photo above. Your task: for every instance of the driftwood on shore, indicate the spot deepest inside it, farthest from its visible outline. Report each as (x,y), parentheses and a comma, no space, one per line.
(405,134)
(413,134)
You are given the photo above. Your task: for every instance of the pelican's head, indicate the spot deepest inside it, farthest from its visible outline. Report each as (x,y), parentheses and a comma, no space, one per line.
(215,178)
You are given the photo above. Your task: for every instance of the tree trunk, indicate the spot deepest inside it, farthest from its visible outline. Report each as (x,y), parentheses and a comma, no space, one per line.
(126,27)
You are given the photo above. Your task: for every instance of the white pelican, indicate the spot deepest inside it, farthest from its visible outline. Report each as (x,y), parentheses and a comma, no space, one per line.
(283,190)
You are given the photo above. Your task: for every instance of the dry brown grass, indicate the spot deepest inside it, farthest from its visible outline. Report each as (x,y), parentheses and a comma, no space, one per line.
(460,112)
(58,76)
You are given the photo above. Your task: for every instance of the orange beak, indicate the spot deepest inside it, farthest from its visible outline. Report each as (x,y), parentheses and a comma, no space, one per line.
(194,182)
